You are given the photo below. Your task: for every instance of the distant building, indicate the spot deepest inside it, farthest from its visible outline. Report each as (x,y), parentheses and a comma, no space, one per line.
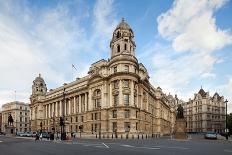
(205,113)
(115,98)
(20,113)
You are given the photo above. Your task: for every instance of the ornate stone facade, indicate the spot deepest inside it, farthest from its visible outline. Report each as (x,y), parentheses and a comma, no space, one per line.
(115,98)
(205,113)
(20,113)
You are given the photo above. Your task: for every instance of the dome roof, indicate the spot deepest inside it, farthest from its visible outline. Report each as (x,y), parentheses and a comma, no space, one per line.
(123,25)
(39,78)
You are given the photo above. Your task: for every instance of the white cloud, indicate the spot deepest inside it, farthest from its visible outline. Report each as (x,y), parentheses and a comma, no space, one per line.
(104,22)
(47,41)
(190,27)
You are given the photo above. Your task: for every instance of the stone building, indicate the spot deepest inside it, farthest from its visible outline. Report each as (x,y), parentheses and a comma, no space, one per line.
(20,112)
(115,98)
(205,113)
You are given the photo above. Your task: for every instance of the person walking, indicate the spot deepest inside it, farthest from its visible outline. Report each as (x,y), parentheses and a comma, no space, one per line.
(36,137)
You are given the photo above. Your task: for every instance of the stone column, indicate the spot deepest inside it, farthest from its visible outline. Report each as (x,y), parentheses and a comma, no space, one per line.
(90,100)
(86,98)
(110,96)
(80,104)
(65,107)
(60,108)
(132,94)
(120,93)
(49,112)
(74,105)
(70,106)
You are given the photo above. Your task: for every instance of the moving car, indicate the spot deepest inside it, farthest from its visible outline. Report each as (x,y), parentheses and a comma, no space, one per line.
(211,135)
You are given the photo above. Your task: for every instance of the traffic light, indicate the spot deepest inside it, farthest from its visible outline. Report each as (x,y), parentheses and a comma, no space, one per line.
(61,121)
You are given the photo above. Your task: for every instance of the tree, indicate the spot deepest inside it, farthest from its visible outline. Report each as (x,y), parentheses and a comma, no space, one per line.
(229,123)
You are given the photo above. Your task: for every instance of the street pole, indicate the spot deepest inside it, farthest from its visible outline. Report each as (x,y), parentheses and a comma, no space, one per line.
(226,114)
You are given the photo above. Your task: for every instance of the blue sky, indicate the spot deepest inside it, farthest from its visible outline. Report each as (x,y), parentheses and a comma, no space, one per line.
(183,44)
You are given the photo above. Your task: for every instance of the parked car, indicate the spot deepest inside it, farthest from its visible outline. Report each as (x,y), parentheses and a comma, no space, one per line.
(211,135)
(45,135)
(2,133)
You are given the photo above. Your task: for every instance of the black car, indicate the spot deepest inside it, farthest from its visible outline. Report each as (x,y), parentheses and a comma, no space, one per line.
(45,135)
(2,133)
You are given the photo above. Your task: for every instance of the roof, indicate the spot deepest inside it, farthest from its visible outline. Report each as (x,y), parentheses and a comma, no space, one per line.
(123,25)
(202,93)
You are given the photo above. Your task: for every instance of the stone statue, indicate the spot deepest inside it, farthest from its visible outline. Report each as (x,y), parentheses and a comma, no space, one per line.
(180,112)
(10,120)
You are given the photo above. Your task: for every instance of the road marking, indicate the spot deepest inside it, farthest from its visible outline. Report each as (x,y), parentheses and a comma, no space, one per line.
(127,145)
(0,141)
(177,147)
(228,151)
(106,145)
(142,147)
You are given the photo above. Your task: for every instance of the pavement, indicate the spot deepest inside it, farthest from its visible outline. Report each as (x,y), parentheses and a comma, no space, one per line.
(161,146)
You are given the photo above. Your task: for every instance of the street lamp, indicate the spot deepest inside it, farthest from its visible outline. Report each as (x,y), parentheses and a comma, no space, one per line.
(226,114)
(41,125)
(62,119)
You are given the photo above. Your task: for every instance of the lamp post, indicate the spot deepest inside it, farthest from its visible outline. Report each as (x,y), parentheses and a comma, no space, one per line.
(41,125)
(226,114)
(62,119)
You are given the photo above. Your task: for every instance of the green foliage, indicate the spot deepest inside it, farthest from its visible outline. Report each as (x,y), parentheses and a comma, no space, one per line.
(229,122)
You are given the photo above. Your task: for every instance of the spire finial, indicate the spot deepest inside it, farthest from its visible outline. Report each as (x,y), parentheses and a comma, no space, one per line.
(39,75)
(201,86)
(123,20)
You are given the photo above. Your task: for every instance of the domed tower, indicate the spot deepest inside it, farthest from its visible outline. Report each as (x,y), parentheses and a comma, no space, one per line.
(122,41)
(39,87)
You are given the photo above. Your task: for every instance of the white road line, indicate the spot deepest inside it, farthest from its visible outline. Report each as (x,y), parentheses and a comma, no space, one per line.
(106,145)
(228,151)
(177,147)
(127,145)
(142,147)
(0,141)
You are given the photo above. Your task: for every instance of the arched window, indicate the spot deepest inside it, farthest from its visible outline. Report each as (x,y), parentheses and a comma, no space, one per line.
(97,98)
(118,34)
(118,48)
(125,46)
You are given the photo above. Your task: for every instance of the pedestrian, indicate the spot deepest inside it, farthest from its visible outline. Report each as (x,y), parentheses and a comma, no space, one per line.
(36,137)
(41,137)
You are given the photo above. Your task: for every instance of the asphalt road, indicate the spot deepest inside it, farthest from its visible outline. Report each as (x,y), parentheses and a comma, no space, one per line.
(161,146)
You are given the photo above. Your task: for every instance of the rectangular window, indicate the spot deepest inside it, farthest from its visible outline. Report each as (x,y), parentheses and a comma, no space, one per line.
(115,100)
(95,116)
(137,114)
(82,118)
(126,99)
(25,119)
(76,119)
(92,116)
(136,127)
(21,113)
(114,114)
(21,119)
(127,126)
(25,113)
(126,68)
(114,126)
(127,113)
(126,83)
(115,69)
(95,127)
